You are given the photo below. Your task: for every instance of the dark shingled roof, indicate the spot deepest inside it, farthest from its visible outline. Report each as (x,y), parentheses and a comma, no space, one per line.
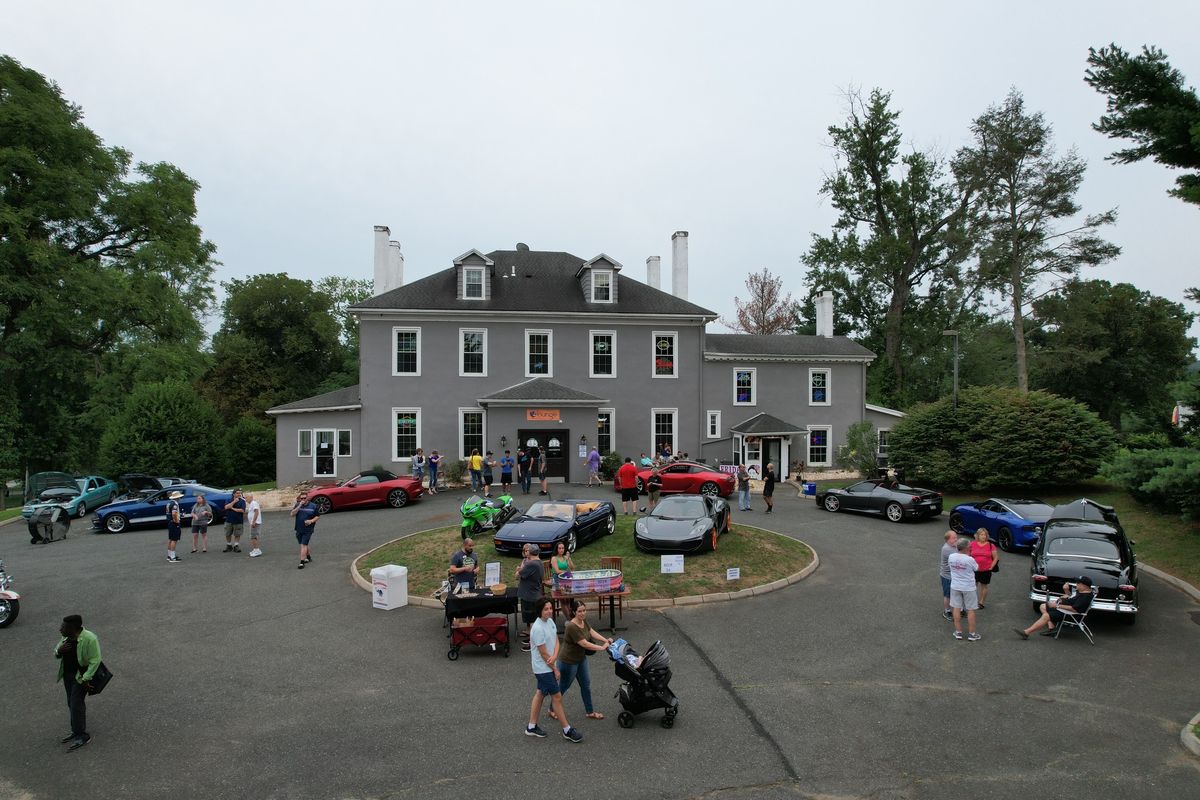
(783,344)
(764,423)
(545,281)
(542,389)
(335,399)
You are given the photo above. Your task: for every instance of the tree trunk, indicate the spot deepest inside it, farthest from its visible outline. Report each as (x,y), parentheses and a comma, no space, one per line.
(893,329)
(1018,297)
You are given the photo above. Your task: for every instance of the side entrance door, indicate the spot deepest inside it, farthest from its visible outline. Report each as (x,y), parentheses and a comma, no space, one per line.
(554,442)
(324,463)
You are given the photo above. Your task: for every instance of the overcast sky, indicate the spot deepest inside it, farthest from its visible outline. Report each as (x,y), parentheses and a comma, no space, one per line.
(586,127)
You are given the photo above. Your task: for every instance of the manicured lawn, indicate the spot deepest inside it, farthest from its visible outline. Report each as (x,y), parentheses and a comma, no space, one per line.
(9,513)
(763,557)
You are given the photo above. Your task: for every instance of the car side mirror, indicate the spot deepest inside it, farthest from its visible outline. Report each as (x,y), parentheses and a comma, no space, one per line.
(351,484)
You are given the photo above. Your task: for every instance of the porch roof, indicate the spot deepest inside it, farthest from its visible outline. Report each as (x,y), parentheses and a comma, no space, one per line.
(766,425)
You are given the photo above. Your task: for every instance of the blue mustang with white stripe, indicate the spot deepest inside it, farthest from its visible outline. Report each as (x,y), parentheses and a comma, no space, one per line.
(152,511)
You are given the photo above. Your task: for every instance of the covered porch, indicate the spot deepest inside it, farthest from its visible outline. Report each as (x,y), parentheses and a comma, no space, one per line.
(764,439)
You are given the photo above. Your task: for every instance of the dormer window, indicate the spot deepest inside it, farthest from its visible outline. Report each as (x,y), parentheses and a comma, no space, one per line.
(473,283)
(602,286)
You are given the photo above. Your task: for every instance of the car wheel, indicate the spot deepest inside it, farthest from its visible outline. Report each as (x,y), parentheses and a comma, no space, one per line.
(709,488)
(625,719)
(116,523)
(324,504)
(81,512)
(8,612)
(572,541)
(894,512)
(397,498)
(611,525)
(1006,540)
(726,528)
(832,503)
(641,487)
(956,522)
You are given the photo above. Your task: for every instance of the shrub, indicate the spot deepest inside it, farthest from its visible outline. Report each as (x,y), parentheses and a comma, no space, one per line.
(164,429)
(250,452)
(1000,438)
(859,450)
(609,464)
(454,471)
(1145,441)
(1169,479)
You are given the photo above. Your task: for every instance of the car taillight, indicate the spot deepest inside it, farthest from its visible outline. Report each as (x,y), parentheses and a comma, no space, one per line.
(1127,588)
(1039,578)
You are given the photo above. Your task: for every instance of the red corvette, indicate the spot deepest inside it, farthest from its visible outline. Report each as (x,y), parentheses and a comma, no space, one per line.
(687,477)
(373,487)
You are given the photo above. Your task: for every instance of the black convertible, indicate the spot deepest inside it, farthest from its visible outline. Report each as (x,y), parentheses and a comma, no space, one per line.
(548,522)
(685,523)
(1086,538)
(887,497)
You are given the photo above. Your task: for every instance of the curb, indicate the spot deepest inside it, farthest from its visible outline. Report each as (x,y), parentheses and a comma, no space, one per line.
(655,603)
(1178,583)
(1189,738)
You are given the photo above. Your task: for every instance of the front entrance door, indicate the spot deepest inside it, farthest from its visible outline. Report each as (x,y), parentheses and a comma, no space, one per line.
(555,442)
(324,461)
(771,453)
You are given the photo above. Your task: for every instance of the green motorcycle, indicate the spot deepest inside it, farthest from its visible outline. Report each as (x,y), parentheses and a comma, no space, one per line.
(486,514)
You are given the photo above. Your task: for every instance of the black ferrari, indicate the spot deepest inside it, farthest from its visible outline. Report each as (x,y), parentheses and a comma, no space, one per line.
(682,524)
(548,522)
(887,497)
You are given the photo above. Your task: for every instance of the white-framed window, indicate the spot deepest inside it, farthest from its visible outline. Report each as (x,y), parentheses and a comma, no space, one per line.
(754,451)
(539,353)
(406,433)
(472,352)
(344,442)
(881,446)
(603,363)
(818,386)
(606,430)
(745,386)
(304,443)
(602,281)
(406,347)
(664,354)
(472,283)
(471,431)
(664,428)
(820,449)
(713,426)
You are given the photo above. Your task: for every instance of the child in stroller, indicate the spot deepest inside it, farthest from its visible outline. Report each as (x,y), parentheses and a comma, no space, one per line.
(646,684)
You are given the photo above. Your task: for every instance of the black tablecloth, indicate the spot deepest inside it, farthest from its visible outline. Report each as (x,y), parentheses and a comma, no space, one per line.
(483,603)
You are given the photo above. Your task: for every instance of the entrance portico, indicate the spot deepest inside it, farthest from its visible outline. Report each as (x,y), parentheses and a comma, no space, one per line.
(764,439)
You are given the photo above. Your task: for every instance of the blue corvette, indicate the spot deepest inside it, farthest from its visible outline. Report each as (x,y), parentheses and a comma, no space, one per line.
(152,510)
(1010,523)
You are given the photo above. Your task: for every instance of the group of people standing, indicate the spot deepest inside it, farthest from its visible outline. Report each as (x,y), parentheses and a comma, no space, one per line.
(241,510)
(521,469)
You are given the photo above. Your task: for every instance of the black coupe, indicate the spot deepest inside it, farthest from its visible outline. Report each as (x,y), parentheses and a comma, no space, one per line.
(890,498)
(548,522)
(1086,538)
(682,524)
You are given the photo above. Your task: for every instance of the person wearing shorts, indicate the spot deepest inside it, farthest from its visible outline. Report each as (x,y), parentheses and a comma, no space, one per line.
(948,549)
(962,589)
(305,514)
(235,510)
(174,528)
(627,481)
(653,489)
(254,520)
(506,472)
(543,655)
(202,514)
(541,471)
(986,555)
(1052,613)
(529,588)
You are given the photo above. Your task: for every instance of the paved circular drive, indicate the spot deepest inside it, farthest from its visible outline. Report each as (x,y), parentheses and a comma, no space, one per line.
(247,678)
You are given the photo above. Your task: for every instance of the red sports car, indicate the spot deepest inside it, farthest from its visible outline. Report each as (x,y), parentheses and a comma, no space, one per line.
(371,488)
(687,477)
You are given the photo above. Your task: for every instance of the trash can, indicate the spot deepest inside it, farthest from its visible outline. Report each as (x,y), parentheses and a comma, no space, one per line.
(389,587)
(810,489)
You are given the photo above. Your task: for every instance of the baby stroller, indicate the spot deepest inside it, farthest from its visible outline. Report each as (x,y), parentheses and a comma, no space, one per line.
(647,682)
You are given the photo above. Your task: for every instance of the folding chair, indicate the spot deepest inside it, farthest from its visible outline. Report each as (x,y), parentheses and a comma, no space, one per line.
(1076,620)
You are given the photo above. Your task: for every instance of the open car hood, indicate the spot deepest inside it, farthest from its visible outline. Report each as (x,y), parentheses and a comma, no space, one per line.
(140,482)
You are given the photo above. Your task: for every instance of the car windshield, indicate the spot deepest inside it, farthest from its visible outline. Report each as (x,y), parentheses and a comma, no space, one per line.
(1030,509)
(207,491)
(679,508)
(1083,548)
(565,511)
(82,484)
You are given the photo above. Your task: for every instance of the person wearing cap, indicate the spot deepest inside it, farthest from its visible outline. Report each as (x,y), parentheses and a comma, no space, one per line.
(174,529)
(235,511)
(1053,608)
(78,654)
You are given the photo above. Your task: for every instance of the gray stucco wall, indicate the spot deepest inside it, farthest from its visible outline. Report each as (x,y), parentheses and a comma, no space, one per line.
(291,469)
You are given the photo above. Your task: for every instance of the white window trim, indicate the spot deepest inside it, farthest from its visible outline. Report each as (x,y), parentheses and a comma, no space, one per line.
(396,330)
(482,283)
(828,462)
(879,431)
(462,353)
(674,412)
(398,410)
(338,443)
(611,281)
(612,426)
(753,385)
(654,354)
(299,449)
(462,412)
(592,352)
(708,419)
(828,386)
(549,373)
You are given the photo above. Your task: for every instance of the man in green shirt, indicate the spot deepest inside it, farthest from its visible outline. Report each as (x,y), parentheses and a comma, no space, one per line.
(78,654)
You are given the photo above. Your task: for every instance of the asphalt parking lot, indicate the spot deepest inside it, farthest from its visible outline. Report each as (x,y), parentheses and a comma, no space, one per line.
(248,678)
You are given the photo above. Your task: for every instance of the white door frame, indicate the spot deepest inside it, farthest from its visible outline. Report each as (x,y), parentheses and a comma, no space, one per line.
(317,450)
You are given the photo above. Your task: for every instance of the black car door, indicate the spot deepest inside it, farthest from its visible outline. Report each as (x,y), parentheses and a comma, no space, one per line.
(858,496)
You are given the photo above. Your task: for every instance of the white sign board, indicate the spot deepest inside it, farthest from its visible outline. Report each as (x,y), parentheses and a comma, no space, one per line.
(491,573)
(733,574)
(672,564)
(583,451)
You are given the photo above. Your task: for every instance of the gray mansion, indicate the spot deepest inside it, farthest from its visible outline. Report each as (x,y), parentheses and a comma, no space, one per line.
(517,346)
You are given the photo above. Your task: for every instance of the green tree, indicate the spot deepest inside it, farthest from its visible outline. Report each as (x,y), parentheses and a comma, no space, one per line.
(165,429)
(1149,105)
(1169,479)
(344,293)
(1000,438)
(1026,230)
(861,444)
(250,451)
(95,251)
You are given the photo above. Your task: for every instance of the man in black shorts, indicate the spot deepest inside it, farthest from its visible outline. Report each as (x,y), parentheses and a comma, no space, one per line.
(529,589)
(174,527)
(1051,613)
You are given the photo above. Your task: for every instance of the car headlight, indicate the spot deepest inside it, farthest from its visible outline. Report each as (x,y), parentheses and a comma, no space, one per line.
(640,526)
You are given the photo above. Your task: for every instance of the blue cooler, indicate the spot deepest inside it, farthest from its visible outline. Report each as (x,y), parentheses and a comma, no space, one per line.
(810,489)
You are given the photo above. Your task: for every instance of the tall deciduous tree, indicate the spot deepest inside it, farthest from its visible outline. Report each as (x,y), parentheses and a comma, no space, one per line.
(1149,105)
(766,309)
(1029,230)
(901,235)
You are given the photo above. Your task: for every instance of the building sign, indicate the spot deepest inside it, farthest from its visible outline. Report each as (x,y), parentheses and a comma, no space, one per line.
(542,415)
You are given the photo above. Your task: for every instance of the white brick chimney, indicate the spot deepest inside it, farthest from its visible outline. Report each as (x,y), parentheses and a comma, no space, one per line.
(395,266)
(654,272)
(823,308)
(389,262)
(679,264)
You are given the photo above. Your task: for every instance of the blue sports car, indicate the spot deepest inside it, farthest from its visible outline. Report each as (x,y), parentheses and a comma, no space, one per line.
(152,510)
(1011,523)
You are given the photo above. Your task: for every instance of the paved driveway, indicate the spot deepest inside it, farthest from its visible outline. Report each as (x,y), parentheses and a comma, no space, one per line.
(240,678)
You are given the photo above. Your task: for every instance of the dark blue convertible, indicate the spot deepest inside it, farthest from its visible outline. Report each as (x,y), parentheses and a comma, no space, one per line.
(548,522)
(151,511)
(1010,523)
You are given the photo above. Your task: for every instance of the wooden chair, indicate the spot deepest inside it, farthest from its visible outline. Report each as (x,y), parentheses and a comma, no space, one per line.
(614,562)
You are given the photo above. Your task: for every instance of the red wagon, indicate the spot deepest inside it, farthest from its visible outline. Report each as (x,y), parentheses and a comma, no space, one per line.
(490,631)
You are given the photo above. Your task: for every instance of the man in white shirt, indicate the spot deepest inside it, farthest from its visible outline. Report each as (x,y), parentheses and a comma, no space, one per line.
(254,520)
(543,652)
(962,590)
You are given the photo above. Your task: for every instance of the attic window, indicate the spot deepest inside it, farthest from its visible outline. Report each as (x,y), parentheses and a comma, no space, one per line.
(602,286)
(473,284)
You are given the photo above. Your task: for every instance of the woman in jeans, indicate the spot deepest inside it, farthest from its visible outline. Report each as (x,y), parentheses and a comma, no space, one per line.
(743,485)
(418,465)
(578,641)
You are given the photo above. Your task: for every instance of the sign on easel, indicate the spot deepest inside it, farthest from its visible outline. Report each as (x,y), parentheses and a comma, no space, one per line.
(491,573)
(733,574)
(672,564)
